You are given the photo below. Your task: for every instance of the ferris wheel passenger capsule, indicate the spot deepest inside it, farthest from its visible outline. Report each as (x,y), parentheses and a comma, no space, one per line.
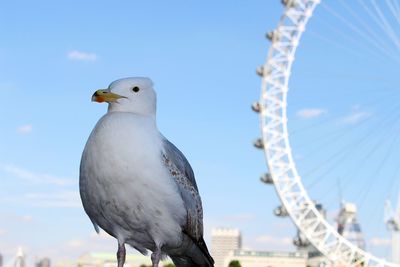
(260,71)
(281,211)
(266,178)
(259,143)
(256,107)
(300,242)
(273,36)
(289,3)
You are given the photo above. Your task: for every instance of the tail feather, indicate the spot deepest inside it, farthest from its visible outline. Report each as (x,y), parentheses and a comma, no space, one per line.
(192,254)
(203,247)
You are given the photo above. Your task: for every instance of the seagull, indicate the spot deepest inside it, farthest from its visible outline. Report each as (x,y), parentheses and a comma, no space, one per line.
(138,186)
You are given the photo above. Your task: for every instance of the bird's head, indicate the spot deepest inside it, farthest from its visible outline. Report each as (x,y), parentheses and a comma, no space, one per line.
(134,95)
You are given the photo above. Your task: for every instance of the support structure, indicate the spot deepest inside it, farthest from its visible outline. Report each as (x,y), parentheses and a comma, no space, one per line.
(275,74)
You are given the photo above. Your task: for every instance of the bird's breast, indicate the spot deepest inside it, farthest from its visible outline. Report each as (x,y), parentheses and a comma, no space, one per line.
(124,177)
(123,144)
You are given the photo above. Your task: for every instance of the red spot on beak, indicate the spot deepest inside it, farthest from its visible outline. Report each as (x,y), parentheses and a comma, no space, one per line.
(100,99)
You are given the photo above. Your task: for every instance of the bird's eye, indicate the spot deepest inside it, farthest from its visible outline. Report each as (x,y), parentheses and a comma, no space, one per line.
(135,89)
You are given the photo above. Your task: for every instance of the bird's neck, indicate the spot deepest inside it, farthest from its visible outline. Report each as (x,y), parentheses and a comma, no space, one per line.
(149,119)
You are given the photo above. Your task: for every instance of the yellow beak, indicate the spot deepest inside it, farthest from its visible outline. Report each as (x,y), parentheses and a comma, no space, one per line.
(105,96)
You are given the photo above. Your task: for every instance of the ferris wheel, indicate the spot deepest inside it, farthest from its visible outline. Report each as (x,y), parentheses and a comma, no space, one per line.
(272,107)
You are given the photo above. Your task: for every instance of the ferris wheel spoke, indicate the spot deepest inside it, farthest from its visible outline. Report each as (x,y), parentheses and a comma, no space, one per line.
(379,168)
(394,9)
(374,102)
(339,45)
(348,146)
(386,25)
(364,25)
(345,151)
(375,43)
(381,21)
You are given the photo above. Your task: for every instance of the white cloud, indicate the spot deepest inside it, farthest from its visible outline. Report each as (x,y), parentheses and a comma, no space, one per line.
(25,129)
(272,240)
(26,218)
(356,117)
(32,177)
(65,199)
(93,242)
(81,56)
(101,235)
(2,232)
(309,113)
(283,226)
(16,218)
(241,217)
(76,243)
(380,242)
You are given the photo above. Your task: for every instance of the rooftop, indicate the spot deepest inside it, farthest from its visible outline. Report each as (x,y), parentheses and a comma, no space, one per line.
(275,254)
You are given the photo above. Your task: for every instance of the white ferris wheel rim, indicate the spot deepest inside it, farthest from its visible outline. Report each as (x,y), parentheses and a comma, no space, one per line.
(275,75)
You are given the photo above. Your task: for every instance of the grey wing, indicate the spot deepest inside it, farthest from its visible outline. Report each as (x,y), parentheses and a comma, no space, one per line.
(95,225)
(83,194)
(182,172)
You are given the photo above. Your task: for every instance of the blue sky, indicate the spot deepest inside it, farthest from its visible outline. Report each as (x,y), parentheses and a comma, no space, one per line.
(202,59)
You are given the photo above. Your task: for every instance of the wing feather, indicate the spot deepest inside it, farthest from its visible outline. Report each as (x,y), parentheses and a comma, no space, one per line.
(182,172)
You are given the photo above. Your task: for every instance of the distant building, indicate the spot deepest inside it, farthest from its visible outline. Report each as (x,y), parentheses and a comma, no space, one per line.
(348,225)
(392,220)
(110,260)
(249,258)
(45,262)
(64,263)
(224,241)
(1,260)
(396,247)
(20,258)
(316,259)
